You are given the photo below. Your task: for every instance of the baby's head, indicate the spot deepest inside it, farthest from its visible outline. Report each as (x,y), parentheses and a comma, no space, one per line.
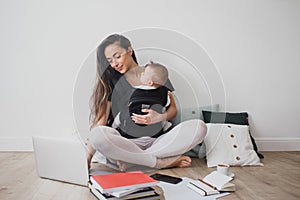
(154,74)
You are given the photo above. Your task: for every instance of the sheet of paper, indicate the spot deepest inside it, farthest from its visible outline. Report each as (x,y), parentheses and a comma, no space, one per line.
(217,179)
(181,191)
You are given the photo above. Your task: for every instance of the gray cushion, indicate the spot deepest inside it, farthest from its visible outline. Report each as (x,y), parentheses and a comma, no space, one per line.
(184,114)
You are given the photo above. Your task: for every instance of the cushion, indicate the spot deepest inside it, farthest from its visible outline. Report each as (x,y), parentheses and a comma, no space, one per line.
(199,151)
(225,117)
(229,144)
(240,118)
(195,112)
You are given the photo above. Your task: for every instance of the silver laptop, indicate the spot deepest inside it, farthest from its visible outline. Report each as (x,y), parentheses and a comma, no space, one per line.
(61,159)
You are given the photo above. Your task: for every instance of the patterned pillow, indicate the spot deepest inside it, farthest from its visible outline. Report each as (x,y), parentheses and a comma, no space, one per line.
(229,144)
(240,118)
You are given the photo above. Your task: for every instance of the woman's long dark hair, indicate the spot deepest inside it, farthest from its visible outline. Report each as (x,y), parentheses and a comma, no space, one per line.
(105,75)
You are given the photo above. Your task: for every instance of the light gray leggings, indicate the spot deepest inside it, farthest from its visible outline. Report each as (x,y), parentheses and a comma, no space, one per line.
(177,141)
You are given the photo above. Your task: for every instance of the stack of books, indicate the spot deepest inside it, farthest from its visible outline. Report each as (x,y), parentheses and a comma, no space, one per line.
(123,186)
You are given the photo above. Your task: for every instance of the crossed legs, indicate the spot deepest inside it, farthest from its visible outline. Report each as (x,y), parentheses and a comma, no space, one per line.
(166,151)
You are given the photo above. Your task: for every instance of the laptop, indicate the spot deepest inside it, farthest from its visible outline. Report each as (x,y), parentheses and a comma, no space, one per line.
(62,159)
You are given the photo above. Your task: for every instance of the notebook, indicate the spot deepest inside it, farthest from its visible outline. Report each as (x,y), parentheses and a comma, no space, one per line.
(62,159)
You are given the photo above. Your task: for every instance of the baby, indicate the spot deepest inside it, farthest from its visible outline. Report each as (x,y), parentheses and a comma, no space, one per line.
(152,94)
(154,76)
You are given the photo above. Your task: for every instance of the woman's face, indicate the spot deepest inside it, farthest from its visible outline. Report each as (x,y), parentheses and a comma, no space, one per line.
(119,58)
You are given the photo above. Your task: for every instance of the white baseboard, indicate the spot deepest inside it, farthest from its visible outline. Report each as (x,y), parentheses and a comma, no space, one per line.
(278,144)
(16,144)
(264,144)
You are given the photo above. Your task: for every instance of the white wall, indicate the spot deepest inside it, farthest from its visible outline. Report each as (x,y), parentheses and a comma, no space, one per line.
(254,44)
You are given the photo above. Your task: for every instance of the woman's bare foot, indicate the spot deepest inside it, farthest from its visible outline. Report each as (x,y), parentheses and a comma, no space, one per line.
(122,165)
(181,161)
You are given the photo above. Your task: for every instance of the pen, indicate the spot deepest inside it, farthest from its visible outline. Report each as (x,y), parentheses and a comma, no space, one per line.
(207,184)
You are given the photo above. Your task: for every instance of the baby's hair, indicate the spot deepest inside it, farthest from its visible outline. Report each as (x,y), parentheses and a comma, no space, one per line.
(159,73)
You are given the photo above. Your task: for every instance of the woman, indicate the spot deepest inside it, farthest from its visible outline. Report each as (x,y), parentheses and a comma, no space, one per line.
(118,73)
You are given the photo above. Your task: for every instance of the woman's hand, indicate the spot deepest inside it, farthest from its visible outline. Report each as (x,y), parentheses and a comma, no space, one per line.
(151,117)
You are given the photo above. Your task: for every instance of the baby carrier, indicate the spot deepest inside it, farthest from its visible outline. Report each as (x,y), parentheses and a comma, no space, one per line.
(154,99)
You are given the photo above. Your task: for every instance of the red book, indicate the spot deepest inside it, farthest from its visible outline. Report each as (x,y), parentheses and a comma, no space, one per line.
(107,183)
